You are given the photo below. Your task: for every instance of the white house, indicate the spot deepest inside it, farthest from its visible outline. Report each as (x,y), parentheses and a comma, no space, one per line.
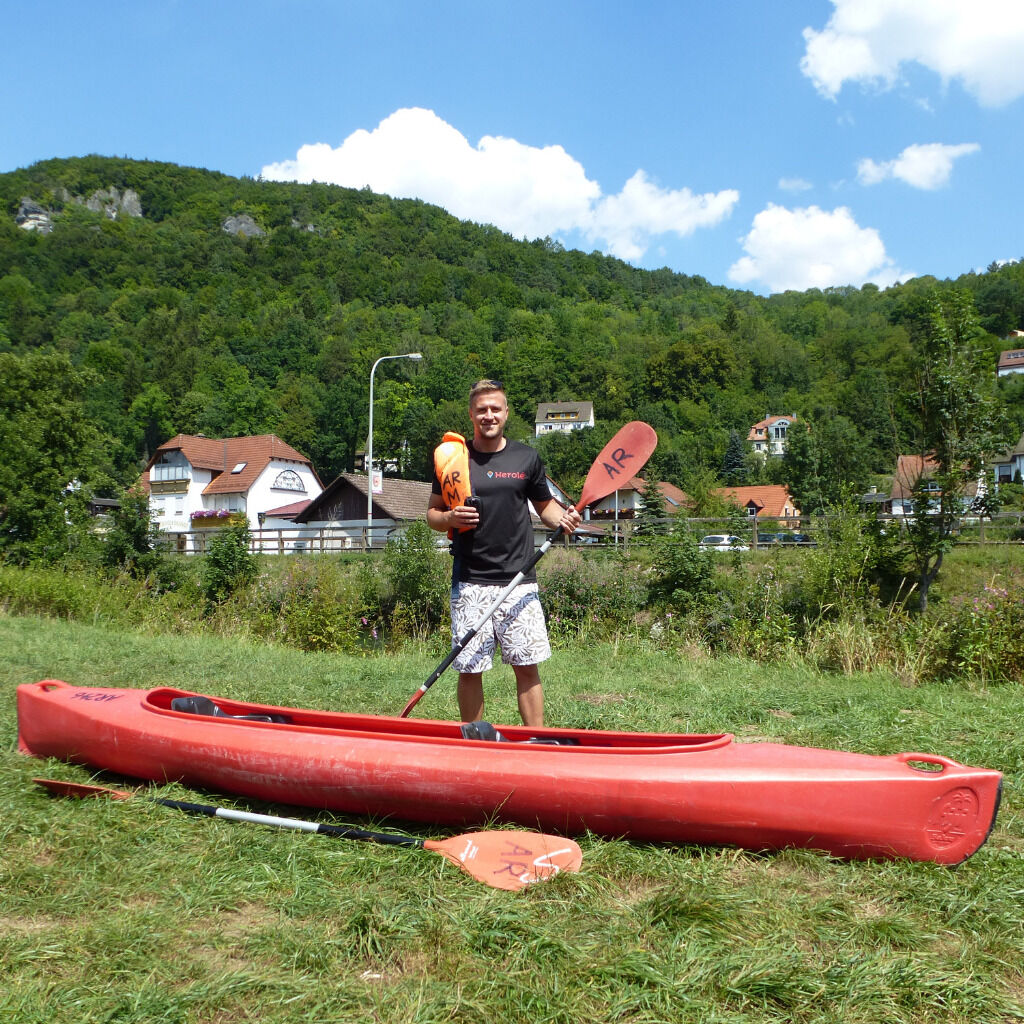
(768,437)
(563,416)
(1010,464)
(1011,360)
(914,472)
(198,483)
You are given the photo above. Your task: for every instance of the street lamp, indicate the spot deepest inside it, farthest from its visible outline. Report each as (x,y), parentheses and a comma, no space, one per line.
(369,448)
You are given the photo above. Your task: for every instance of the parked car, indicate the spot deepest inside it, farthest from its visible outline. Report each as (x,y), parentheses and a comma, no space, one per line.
(798,538)
(723,542)
(770,538)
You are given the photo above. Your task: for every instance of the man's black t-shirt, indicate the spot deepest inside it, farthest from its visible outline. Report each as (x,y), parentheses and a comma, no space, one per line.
(502,544)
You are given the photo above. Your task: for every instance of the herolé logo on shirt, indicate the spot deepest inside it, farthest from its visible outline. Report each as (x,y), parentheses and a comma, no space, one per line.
(492,475)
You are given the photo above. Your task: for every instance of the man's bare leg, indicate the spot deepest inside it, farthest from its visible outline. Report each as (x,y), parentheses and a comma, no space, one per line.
(530,694)
(471,696)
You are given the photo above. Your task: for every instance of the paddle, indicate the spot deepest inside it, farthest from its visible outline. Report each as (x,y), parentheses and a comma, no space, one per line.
(620,459)
(503,860)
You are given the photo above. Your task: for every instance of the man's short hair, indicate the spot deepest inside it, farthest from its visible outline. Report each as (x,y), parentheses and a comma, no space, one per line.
(483,386)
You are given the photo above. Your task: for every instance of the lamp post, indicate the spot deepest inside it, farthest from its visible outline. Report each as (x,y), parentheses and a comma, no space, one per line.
(369,448)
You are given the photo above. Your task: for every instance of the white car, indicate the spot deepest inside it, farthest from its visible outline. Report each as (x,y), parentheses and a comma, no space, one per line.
(723,542)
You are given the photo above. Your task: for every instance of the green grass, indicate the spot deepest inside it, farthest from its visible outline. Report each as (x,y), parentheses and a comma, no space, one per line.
(130,912)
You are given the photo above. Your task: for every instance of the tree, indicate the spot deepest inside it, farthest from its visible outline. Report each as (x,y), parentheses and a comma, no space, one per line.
(51,457)
(129,543)
(961,424)
(734,467)
(824,462)
(651,513)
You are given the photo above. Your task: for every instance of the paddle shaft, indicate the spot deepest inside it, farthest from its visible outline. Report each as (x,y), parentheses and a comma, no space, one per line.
(465,639)
(320,828)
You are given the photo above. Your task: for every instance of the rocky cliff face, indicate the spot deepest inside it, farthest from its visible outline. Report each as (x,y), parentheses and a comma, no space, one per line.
(243,224)
(33,216)
(113,204)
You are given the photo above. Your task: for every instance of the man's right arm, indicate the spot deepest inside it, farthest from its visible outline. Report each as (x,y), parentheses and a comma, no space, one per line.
(438,517)
(443,519)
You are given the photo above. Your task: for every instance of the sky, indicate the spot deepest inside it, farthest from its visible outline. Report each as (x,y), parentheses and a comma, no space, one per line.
(760,144)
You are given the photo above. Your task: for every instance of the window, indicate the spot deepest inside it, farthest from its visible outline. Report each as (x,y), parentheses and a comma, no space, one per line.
(288,480)
(170,466)
(238,467)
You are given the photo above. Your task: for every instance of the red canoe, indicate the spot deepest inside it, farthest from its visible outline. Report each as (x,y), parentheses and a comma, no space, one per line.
(644,786)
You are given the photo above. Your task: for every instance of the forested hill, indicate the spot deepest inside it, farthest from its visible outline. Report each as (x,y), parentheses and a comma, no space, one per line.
(272,324)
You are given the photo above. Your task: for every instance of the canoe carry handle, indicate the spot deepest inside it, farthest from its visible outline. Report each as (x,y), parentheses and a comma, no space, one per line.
(46,685)
(927,763)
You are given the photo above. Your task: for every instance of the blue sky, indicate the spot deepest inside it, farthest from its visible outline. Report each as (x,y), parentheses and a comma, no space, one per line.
(760,144)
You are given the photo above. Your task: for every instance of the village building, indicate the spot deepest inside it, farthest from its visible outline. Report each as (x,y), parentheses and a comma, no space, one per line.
(768,436)
(563,416)
(198,483)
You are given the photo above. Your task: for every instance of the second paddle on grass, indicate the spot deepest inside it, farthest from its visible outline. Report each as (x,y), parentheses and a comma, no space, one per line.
(620,460)
(498,858)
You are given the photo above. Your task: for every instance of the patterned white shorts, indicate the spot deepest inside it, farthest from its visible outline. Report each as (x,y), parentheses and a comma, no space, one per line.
(517,626)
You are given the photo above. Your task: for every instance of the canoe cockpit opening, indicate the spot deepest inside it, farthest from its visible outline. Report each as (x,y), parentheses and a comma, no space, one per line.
(196,705)
(485,731)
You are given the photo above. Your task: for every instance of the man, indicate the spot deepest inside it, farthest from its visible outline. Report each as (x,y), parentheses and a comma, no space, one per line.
(491,543)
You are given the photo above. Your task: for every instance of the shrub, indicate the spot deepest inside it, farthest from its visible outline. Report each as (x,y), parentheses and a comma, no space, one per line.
(682,574)
(314,605)
(590,596)
(985,636)
(406,591)
(229,563)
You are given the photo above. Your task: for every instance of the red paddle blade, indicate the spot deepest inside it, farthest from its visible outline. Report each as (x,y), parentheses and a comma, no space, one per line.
(620,460)
(80,789)
(509,860)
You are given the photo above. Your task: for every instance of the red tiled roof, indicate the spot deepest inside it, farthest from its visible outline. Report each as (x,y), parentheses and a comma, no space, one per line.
(912,468)
(222,455)
(671,495)
(287,511)
(909,470)
(760,429)
(771,500)
(1011,358)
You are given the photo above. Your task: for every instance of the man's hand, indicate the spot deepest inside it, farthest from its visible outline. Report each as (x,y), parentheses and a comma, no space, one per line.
(463,517)
(571,519)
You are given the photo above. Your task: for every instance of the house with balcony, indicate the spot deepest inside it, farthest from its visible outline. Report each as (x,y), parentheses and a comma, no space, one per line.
(626,501)
(768,437)
(563,416)
(198,483)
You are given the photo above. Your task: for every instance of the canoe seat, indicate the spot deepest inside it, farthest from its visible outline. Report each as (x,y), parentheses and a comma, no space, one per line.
(205,706)
(485,731)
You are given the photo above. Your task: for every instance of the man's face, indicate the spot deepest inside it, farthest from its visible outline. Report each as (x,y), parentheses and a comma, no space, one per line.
(489,411)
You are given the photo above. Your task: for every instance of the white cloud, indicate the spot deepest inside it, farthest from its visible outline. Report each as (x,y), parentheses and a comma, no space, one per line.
(528,191)
(794,185)
(812,248)
(926,166)
(978,43)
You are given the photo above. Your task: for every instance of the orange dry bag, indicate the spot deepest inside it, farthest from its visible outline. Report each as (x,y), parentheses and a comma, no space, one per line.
(451,464)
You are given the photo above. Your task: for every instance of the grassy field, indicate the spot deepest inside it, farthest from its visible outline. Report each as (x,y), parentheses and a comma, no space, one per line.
(130,912)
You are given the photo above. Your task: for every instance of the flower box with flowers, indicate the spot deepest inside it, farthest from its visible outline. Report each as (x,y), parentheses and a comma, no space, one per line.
(206,518)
